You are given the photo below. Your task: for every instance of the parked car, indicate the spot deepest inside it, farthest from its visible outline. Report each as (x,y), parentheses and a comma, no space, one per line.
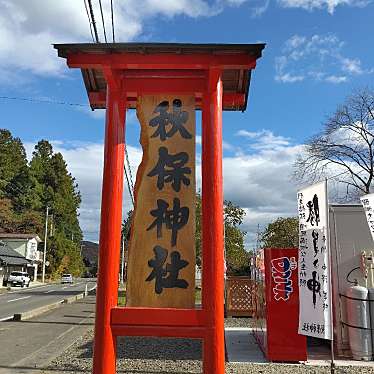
(19,278)
(67,278)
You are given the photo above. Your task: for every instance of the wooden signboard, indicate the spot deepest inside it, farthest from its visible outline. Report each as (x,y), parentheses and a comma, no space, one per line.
(161,263)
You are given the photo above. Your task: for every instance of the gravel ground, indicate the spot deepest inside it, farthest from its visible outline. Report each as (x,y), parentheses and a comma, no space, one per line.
(239,322)
(174,356)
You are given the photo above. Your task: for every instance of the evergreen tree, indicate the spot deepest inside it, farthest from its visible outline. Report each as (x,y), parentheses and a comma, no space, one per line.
(41,171)
(66,199)
(13,164)
(27,190)
(12,157)
(58,190)
(16,188)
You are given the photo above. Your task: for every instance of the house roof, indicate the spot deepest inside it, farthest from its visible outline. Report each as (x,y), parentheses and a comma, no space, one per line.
(19,236)
(235,78)
(11,257)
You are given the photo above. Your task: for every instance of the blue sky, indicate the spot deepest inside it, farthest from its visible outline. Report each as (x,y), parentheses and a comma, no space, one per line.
(317,53)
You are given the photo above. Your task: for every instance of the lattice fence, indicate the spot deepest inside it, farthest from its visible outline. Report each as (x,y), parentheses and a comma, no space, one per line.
(240,297)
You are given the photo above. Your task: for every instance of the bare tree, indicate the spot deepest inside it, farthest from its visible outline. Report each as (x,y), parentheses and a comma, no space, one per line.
(344,149)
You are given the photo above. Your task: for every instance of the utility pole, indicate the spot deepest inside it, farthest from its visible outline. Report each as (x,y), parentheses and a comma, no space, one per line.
(45,243)
(51,226)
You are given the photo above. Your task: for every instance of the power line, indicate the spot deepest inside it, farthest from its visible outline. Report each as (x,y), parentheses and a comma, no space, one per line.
(102,19)
(129,167)
(42,101)
(129,186)
(89,20)
(93,21)
(111,9)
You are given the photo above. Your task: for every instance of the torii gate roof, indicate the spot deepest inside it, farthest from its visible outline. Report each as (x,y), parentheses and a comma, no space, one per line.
(151,67)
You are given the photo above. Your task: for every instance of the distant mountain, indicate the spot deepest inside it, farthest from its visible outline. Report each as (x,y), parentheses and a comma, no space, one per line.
(90,252)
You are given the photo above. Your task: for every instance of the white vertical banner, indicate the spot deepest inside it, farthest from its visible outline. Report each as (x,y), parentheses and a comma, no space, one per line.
(314,262)
(367,202)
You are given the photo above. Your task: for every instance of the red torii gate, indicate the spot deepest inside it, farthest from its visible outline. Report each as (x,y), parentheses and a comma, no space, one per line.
(115,75)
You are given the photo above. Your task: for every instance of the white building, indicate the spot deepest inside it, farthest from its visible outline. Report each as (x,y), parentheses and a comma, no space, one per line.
(27,246)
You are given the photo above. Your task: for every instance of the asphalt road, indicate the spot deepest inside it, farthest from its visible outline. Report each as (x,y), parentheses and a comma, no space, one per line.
(26,299)
(28,346)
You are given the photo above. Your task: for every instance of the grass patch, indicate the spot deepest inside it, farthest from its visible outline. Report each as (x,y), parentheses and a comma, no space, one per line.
(197,295)
(121,300)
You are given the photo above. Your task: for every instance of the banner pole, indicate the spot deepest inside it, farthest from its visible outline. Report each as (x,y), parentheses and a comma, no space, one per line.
(332,365)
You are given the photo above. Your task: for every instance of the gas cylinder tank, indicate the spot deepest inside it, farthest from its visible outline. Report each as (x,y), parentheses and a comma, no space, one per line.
(358,319)
(371,308)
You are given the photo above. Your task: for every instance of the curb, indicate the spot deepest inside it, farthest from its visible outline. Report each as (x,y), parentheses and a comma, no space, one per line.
(36,312)
(71,299)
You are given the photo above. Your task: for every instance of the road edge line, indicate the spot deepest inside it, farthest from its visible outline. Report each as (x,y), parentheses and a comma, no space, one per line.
(36,312)
(17,317)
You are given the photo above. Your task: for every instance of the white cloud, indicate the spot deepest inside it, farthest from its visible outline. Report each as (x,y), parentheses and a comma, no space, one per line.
(319,58)
(264,140)
(352,66)
(336,79)
(257,178)
(258,8)
(330,5)
(288,78)
(29,28)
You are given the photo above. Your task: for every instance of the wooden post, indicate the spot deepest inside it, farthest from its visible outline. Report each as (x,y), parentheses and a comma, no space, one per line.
(104,361)
(212,229)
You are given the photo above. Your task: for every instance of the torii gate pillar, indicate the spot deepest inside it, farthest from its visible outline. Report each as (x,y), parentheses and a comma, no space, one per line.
(115,75)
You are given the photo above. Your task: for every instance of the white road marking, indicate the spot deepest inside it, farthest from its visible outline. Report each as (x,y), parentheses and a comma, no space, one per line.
(6,318)
(27,289)
(20,298)
(49,291)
